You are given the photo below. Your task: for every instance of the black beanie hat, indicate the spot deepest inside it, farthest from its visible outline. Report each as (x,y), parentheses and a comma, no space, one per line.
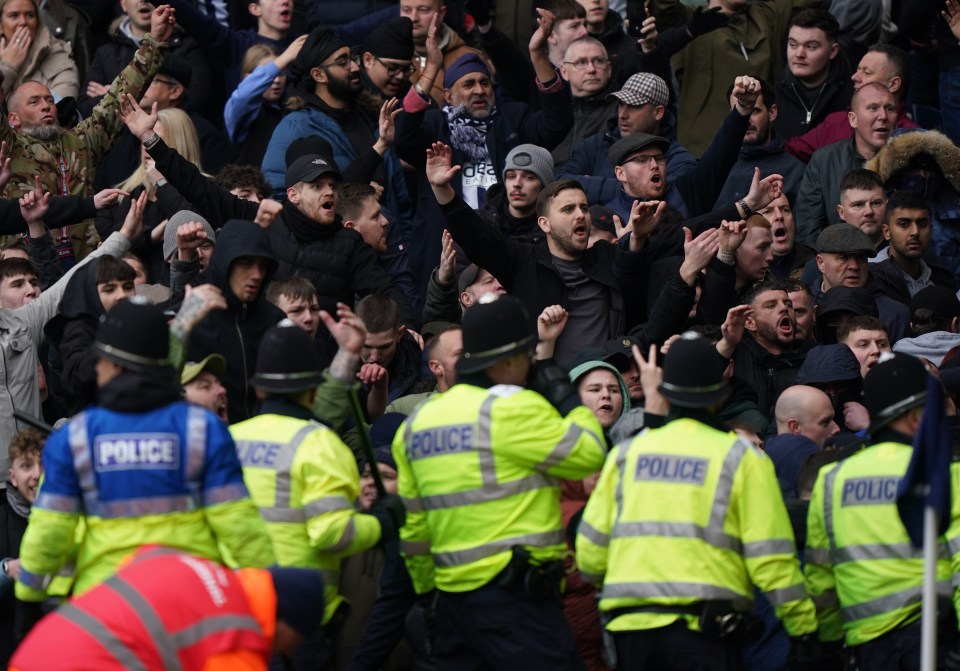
(392,39)
(299,598)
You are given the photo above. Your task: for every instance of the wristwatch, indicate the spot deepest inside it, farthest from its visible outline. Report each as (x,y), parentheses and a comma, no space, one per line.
(3,566)
(152,140)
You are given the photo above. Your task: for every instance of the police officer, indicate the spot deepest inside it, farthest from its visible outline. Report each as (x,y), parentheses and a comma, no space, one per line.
(684,521)
(303,478)
(142,468)
(861,569)
(478,468)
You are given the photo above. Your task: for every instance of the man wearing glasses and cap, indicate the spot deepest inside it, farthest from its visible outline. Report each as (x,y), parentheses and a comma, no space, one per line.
(307,237)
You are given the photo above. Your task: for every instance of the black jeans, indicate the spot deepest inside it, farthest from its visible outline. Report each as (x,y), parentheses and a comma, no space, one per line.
(501,630)
(677,648)
(899,650)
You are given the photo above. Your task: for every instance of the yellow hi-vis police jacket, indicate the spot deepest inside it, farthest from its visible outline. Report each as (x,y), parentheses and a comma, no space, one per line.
(686,513)
(861,570)
(479,470)
(306,483)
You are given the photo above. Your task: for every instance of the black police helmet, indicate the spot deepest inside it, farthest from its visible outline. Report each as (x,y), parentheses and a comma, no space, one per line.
(287,361)
(494,329)
(897,383)
(693,373)
(134,334)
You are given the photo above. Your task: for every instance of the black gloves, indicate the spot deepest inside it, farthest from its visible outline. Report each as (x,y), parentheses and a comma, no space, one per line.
(480,10)
(389,511)
(705,21)
(551,381)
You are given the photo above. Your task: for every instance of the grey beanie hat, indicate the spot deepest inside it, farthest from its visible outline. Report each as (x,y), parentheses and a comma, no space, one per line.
(531,158)
(176,221)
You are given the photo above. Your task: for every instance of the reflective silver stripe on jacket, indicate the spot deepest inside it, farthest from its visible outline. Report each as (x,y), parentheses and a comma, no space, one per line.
(95,629)
(469,555)
(413,548)
(150,505)
(168,645)
(890,602)
(592,534)
(82,460)
(58,502)
(828,485)
(669,590)
(281,511)
(878,551)
(491,489)
(196,440)
(783,595)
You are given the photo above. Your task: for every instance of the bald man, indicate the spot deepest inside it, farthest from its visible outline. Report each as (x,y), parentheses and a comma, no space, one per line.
(806,411)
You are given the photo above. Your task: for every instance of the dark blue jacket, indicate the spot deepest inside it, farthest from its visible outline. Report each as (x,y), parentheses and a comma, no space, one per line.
(771,159)
(590,165)
(515,124)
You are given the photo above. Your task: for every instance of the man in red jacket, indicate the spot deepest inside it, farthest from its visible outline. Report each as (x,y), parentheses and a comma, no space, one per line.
(884,63)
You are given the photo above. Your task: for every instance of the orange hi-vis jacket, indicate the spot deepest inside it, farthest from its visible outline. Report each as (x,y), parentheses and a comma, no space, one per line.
(165,610)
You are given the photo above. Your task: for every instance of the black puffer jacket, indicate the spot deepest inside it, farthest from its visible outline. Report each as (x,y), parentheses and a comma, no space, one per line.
(235,332)
(336,260)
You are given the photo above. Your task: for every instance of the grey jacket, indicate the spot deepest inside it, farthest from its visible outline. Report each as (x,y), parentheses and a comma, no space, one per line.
(816,206)
(21,334)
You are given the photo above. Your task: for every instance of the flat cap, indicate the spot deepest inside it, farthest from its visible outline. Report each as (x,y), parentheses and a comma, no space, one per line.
(623,148)
(845,239)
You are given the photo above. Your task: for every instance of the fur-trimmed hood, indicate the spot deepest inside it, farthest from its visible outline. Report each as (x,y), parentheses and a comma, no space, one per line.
(901,149)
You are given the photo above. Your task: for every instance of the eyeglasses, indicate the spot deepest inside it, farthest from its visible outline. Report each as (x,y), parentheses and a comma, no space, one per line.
(168,82)
(647,159)
(581,63)
(343,62)
(395,70)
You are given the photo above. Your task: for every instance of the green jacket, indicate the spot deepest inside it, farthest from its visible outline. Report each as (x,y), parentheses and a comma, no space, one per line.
(748,45)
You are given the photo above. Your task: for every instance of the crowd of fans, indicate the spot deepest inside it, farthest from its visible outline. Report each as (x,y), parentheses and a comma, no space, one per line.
(780,177)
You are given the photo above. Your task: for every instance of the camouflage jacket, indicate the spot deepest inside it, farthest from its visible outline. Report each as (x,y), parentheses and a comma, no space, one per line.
(66,165)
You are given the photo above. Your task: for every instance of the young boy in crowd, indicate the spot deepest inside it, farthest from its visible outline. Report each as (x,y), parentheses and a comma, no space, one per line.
(91,293)
(23,480)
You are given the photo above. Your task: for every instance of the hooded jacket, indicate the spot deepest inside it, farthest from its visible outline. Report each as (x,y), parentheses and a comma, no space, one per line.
(942,190)
(338,262)
(235,333)
(73,331)
(933,346)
